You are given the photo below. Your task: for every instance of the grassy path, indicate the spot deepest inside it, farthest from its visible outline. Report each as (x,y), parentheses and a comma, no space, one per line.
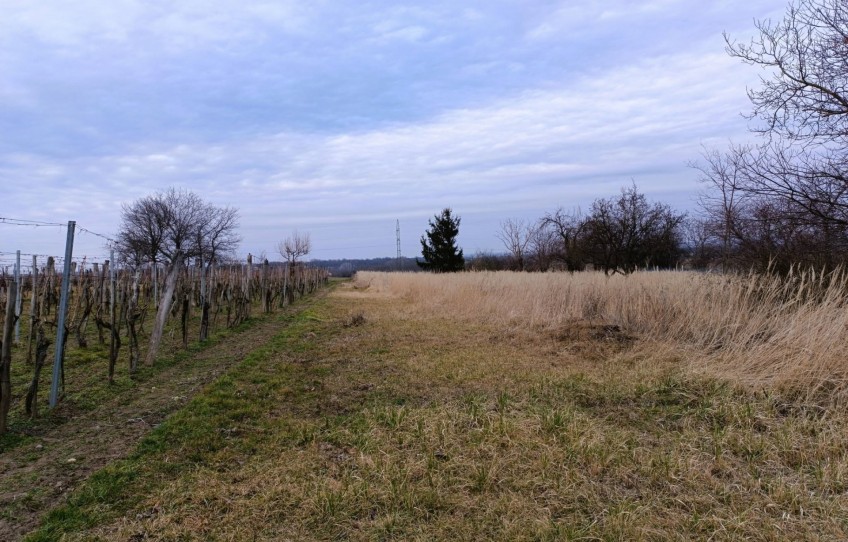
(38,475)
(365,418)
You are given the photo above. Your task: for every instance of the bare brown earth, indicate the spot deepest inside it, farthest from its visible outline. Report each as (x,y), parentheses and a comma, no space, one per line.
(37,476)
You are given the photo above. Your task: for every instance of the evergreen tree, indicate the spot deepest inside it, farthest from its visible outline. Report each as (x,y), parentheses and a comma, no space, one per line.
(438,245)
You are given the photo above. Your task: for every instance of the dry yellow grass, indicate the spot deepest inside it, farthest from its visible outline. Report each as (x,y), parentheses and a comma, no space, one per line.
(787,334)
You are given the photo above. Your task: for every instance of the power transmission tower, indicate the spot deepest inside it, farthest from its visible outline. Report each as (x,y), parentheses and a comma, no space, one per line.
(399,261)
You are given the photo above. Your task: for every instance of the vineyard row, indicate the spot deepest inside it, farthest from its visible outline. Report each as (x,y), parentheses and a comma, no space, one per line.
(113,305)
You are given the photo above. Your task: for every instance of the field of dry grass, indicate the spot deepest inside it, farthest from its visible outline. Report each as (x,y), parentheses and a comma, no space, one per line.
(495,407)
(782,334)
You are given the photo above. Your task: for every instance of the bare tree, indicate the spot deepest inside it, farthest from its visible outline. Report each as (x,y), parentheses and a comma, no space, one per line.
(172,227)
(516,235)
(544,247)
(814,185)
(702,248)
(568,227)
(487,261)
(769,207)
(625,232)
(722,201)
(215,234)
(804,95)
(295,246)
(216,239)
(801,107)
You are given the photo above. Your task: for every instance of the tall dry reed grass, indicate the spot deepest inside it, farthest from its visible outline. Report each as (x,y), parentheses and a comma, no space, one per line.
(784,333)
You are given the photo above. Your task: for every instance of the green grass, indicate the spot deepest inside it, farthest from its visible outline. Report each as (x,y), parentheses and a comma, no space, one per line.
(86,383)
(194,437)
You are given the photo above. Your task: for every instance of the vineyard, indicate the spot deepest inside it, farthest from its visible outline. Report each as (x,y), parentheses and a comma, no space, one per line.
(108,316)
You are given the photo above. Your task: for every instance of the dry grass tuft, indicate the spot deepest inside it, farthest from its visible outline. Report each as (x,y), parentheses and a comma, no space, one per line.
(355,319)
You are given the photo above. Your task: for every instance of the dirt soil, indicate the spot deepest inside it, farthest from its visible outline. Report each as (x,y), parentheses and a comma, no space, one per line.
(38,476)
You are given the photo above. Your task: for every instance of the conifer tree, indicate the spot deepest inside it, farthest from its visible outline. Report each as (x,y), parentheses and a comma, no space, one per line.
(438,245)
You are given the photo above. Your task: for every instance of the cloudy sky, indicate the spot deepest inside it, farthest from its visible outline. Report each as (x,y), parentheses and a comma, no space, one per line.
(339,118)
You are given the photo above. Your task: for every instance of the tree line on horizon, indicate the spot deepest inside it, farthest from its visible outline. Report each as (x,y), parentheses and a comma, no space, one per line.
(619,234)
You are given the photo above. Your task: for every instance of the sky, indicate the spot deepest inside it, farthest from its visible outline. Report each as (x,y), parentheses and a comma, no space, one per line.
(341,118)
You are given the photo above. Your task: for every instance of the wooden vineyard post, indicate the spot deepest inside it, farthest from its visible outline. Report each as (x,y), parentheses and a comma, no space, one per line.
(6,357)
(155,275)
(247,278)
(60,317)
(266,295)
(33,305)
(204,304)
(132,318)
(49,282)
(212,287)
(185,291)
(100,298)
(18,297)
(113,329)
(285,284)
(282,282)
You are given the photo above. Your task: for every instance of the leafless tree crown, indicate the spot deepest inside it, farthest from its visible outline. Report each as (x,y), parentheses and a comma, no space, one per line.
(174,226)
(785,198)
(805,94)
(295,246)
(516,236)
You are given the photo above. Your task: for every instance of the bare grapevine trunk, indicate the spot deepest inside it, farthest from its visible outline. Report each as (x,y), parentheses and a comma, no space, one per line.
(84,305)
(131,316)
(41,346)
(204,305)
(6,356)
(33,309)
(101,300)
(184,317)
(164,308)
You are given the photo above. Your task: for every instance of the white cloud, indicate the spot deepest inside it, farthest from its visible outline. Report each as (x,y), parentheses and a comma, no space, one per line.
(188,22)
